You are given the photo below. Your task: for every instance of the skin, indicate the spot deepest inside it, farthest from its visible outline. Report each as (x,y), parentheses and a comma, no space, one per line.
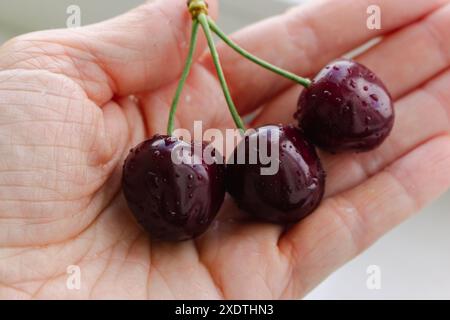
(67,122)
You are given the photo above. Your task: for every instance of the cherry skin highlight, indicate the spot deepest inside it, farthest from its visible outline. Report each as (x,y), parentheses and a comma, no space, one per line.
(171,201)
(346,108)
(288,195)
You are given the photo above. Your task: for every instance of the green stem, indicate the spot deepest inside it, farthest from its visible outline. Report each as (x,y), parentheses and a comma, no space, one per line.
(302,81)
(203,19)
(184,76)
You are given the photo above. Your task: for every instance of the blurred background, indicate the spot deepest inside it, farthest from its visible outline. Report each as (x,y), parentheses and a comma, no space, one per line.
(414,259)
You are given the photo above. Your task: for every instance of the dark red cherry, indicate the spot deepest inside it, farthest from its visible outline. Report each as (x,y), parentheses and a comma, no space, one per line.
(291,184)
(346,108)
(173,200)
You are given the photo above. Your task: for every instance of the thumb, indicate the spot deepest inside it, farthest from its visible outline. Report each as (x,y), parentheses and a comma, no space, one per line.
(141,50)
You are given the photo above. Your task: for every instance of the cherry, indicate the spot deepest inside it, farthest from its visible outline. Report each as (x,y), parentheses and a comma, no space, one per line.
(169,200)
(346,108)
(286,196)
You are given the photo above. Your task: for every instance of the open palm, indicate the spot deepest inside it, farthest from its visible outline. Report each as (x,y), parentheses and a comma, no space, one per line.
(73,102)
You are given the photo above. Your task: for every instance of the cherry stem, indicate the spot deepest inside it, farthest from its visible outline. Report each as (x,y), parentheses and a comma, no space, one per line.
(289,75)
(184,76)
(203,19)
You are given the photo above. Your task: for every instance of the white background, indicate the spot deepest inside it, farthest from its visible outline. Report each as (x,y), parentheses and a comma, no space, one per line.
(414,258)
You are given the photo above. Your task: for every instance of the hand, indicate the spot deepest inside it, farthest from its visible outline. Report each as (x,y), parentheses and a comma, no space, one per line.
(73,102)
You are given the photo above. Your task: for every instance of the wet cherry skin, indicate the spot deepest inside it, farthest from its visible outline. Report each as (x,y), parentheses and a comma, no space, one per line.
(346,108)
(173,201)
(287,196)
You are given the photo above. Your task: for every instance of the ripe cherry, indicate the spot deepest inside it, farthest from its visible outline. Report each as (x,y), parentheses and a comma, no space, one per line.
(346,108)
(171,200)
(287,194)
